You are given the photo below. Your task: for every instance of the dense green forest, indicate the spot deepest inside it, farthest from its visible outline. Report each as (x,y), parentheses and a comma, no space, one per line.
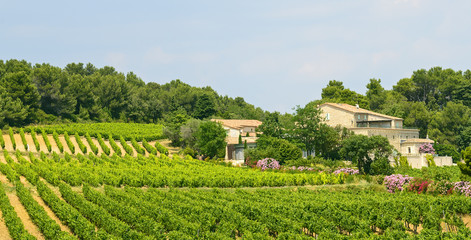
(81,92)
(436,101)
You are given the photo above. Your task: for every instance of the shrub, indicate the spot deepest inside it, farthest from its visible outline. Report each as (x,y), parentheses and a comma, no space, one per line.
(82,146)
(150,149)
(418,185)
(440,187)
(115,146)
(2,141)
(161,148)
(23,139)
(12,138)
(430,161)
(105,148)
(46,140)
(426,148)
(136,146)
(69,143)
(125,145)
(463,188)
(91,143)
(271,147)
(381,166)
(35,140)
(268,163)
(349,171)
(58,142)
(396,182)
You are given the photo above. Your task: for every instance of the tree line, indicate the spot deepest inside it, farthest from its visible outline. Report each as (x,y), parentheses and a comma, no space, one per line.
(43,93)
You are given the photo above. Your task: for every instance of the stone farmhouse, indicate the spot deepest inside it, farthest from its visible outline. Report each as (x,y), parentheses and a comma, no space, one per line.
(235,128)
(361,121)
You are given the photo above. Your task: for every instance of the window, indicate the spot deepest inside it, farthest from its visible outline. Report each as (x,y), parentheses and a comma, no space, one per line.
(364,117)
(327,116)
(359,117)
(409,149)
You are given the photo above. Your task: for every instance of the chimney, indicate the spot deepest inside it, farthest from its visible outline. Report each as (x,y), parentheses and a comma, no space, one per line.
(356,105)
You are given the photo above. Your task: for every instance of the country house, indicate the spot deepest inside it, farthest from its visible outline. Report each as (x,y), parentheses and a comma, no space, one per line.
(361,121)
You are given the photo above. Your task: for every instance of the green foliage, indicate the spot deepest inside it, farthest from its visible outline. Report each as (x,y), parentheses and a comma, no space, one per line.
(137,147)
(103,145)
(210,139)
(79,141)
(23,139)
(2,140)
(447,150)
(55,135)
(12,138)
(205,107)
(279,149)
(150,149)
(35,141)
(188,133)
(306,128)
(12,221)
(161,149)
(127,148)
(127,130)
(430,161)
(381,166)
(363,150)
(98,215)
(403,162)
(46,140)
(91,143)
(115,146)
(69,143)
(466,166)
(48,227)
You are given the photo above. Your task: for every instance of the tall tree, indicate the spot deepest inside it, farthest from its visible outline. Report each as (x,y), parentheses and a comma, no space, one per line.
(211,139)
(307,122)
(375,94)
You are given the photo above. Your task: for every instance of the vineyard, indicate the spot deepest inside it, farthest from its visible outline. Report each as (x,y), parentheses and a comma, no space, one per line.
(61,184)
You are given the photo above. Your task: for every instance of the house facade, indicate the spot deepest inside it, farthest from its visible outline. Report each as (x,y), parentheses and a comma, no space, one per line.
(246,129)
(361,121)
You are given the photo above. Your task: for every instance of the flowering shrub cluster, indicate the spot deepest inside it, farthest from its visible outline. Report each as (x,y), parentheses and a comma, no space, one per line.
(463,188)
(349,171)
(268,163)
(443,187)
(396,182)
(418,185)
(301,168)
(427,148)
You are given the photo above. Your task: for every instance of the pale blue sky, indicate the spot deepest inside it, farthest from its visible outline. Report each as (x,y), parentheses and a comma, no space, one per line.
(275,54)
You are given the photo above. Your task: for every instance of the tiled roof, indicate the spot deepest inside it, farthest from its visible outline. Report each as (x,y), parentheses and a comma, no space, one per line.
(235,140)
(238,123)
(418,140)
(353,109)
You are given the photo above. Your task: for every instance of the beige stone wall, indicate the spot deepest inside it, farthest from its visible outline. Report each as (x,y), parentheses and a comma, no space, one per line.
(337,116)
(393,135)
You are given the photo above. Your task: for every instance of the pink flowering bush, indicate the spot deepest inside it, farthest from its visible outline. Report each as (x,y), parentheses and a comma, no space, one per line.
(301,168)
(427,148)
(268,163)
(349,171)
(396,182)
(463,188)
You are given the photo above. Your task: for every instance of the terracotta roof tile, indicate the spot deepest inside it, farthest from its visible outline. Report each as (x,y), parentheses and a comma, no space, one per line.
(238,123)
(354,109)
